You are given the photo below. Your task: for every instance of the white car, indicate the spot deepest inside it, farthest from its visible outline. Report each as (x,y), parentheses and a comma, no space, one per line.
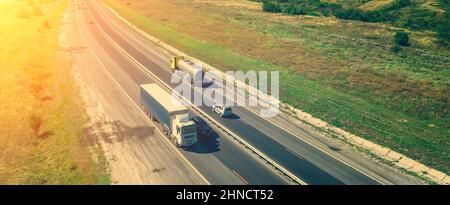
(222,110)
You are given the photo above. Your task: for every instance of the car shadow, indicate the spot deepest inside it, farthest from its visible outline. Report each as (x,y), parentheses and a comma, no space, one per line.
(232,117)
(207,84)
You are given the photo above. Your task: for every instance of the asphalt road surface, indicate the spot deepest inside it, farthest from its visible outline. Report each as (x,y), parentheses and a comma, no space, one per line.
(219,159)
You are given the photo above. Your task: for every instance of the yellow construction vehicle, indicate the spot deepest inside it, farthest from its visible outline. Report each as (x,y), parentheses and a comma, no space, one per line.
(182,63)
(174,62)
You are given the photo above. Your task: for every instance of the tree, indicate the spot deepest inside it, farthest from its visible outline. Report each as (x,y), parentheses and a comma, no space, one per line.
(401,38)
(443,30)
(269,6)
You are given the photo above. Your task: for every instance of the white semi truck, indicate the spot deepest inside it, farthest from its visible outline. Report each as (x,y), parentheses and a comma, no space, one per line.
(174,117)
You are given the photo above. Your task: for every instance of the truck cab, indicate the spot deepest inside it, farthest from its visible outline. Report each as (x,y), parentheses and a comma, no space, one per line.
(184,131)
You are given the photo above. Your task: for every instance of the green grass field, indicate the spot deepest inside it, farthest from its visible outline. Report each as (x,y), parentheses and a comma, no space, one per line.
(41,113)
(340,71)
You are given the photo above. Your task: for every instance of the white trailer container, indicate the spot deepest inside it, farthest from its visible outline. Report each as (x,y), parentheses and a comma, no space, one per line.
(174,117)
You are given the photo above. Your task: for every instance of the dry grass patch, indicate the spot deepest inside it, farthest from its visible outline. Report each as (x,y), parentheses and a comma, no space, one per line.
(41,113)
(374,5)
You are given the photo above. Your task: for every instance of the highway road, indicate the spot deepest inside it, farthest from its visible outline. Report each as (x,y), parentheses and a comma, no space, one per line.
(220,160)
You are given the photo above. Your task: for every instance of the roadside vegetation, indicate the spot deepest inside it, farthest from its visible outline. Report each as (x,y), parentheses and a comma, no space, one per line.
(413,14)
(342,71)
(41,114)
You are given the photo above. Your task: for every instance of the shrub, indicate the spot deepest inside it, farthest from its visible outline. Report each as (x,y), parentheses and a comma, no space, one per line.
(396,48)
(443,28)
(413,17)
(401,38)
(269,6)
(443,31)
(399,4)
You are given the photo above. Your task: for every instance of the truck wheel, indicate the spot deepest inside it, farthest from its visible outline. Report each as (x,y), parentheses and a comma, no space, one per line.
(174,141)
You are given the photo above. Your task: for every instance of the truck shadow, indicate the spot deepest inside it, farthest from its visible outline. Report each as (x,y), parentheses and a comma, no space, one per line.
(206,144)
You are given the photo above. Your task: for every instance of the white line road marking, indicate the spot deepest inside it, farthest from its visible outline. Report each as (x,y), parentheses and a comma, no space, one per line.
(240,177)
